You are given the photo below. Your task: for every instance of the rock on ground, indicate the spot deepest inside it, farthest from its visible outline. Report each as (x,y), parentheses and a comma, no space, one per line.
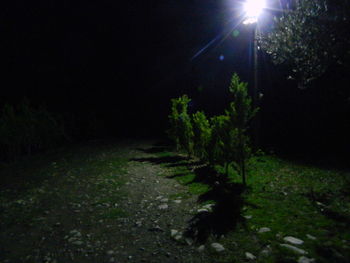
(293,240)
(218,247)
(303,259)
(250,256)
(201,248)
(295,249)
(264,229)
(310,237)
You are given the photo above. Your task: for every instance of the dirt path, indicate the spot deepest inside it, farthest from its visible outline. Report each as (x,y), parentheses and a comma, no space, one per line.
(97,203)
(154,212)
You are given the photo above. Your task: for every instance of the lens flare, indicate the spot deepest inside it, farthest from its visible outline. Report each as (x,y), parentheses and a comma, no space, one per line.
(253,8)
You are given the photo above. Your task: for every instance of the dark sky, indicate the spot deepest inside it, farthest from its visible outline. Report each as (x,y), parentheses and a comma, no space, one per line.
(110,57)
(69,47)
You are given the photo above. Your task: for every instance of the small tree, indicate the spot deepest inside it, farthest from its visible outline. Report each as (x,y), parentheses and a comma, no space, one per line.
(181,131)
(222,141)
(24,129)
(217,146)
(201,134)
(240,113)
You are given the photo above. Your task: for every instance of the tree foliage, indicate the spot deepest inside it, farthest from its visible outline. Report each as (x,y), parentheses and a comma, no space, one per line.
(240,113)
(181,131)
(201,134)
(218,147)
(309,38)
(223,140)
(24,129)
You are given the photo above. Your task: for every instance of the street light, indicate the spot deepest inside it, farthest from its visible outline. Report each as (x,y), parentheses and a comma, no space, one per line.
(253,9)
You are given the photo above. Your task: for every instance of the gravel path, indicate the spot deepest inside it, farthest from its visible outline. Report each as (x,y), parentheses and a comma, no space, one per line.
(88,210)
(148,232)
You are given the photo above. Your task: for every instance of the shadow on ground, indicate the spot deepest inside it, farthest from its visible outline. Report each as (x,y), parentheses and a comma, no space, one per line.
(224,215)
(154,149)
(220,218)
(169,161)
(160,160)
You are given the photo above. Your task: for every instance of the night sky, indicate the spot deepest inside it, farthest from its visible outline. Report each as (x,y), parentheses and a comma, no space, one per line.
(120,62)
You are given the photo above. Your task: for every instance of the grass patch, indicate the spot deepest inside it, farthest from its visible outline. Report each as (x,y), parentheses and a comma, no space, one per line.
(290,199)
(114,213)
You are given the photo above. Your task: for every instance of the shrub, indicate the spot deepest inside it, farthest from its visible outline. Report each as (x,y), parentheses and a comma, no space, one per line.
(240,113)
(216,146)
(222,141)
(24,129)
(181,131)
(201,135)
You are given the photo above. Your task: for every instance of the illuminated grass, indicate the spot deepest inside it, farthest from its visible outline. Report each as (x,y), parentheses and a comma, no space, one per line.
(291,200)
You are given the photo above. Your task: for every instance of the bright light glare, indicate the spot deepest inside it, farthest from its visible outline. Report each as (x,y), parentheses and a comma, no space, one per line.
(250,20)
(253,8)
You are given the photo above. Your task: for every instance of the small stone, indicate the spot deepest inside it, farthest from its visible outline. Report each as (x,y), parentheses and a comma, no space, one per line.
(178,237)
(173,232)
(202,210)
(177,201)
(265,252)
(163,207)
(264,230)
(320,204)
(138,223)
(293,240)
(201,248)
(159,197)
(248,217)
(112,259)
(310,237)
(303,259)
(218,247)
(250,256)
(78,243)
(129,257)
(295,249)
(110,252)
(164,200)
(189,241)
(168,254)
(208,207)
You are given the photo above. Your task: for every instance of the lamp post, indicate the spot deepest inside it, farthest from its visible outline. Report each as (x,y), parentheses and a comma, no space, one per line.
(253,9)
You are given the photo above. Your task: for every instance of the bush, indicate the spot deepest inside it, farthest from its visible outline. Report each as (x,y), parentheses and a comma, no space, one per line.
(181,131)
(201,135)
(25,129)
(218,140)
(240,113)
(222,141)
